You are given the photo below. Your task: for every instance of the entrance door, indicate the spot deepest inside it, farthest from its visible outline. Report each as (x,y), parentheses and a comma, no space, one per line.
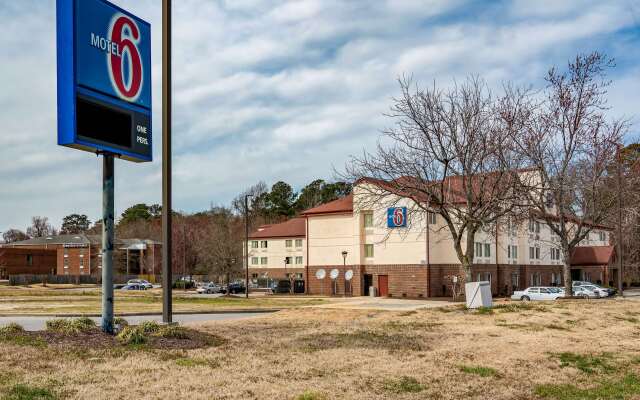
(368,282)
(383,285)
(576,274)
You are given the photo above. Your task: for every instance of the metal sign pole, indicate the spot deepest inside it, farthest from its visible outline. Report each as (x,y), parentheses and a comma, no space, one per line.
(107,243)
(167,281)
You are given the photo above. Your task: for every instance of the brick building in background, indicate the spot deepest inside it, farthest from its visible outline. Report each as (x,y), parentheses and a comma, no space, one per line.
(418,260)
(80,255)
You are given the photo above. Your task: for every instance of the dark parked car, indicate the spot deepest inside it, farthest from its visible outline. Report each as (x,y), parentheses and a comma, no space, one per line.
(235,288)
(283,286)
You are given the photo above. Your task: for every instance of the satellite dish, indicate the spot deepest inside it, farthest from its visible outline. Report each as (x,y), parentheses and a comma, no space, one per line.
(348,275)
(321,274)
(334,273)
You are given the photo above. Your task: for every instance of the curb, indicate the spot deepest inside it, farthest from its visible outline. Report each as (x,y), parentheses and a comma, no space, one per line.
(243,311)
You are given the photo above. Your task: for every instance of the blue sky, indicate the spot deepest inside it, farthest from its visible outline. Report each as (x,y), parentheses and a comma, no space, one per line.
(276,90)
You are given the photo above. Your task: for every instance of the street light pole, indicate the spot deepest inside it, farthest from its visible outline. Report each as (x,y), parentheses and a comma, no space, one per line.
(619,233)
(246,242)
(344,265)
(167,304)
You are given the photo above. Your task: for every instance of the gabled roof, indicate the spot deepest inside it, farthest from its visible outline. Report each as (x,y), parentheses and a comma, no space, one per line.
(295,227)
(59,239)
(340,206)
(592,255)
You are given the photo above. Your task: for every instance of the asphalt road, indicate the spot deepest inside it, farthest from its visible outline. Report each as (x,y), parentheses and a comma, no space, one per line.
(33,323)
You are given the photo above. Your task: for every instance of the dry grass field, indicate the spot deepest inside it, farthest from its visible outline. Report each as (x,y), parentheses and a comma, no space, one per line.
(37,300)
(562,350)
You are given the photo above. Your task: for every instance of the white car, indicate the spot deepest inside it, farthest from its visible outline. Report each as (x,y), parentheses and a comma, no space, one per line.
(144,283)
(537,293)
(588,291)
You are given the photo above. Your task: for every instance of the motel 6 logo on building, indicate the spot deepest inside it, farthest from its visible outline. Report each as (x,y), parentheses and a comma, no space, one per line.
(397,217)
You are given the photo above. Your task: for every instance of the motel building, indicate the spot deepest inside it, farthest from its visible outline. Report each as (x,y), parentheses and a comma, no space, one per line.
(354,240)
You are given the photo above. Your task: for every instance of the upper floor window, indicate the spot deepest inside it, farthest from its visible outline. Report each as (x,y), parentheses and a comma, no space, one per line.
(254,260)
(478,249)
(534,226)
(288,260)
(288,243)
(298,260)
(298,242)
(512,251)
(263,261)
(432,218)
(254,244)
(368,250)
(487,250)
(534,253)
(368,219)
(29,260)
(602,236)
(555,254)
(264,244)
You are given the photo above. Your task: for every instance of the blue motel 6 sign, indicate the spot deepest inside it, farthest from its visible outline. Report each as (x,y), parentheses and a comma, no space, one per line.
(104,79)
(397,217)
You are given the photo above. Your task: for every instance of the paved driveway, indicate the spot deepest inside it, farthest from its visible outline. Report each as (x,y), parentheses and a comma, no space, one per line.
(36,323)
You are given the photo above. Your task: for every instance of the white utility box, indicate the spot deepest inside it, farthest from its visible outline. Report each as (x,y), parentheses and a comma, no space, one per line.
(478,294)
(372,291)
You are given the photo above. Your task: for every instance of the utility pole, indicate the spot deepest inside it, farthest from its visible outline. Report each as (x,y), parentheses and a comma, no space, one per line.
(246,243)
(167,281)
(619,233)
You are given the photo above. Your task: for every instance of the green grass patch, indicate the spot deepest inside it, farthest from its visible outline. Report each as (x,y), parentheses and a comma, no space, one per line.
(70,326)
(172,332)
(587,363)
(311,395)
(26,392)
(484,372)
(524,327)
(624,388)
(483,311)
(411,325)
(405,384)
(519,307)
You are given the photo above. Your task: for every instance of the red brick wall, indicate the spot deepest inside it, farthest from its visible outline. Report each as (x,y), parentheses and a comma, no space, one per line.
(73,255)
(14,261)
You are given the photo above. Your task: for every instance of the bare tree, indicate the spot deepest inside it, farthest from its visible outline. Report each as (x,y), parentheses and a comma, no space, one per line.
(220,243)
(14,235)
(572,147)
(40,227)
(449,153)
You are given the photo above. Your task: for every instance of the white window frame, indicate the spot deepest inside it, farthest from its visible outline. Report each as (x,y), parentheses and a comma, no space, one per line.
(298,242)
(288,243)
(368,250)
(299,260)
(367,219)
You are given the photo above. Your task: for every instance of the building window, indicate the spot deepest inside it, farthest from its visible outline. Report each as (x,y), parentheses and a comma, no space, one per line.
(263,261)
(512,251)
(368,250)
(534,226)
(534,253)
(254,260)
(81,262)
(254,244)
(254,276)
(431,218)
(298,242)
(287,260)
(264,244)
(29,260)
(484,276)
(515,281)
(555,254)
(487,250)
(298,260)
(536,279)
(602,236)
(288,243)
(556,279)
(368,219)
(478,250)
(66,263)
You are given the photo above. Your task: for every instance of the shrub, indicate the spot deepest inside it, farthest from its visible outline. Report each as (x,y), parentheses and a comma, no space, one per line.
(133,335)
(71,326)
(149,327)
(11,329)
(172,332)
(120,322)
